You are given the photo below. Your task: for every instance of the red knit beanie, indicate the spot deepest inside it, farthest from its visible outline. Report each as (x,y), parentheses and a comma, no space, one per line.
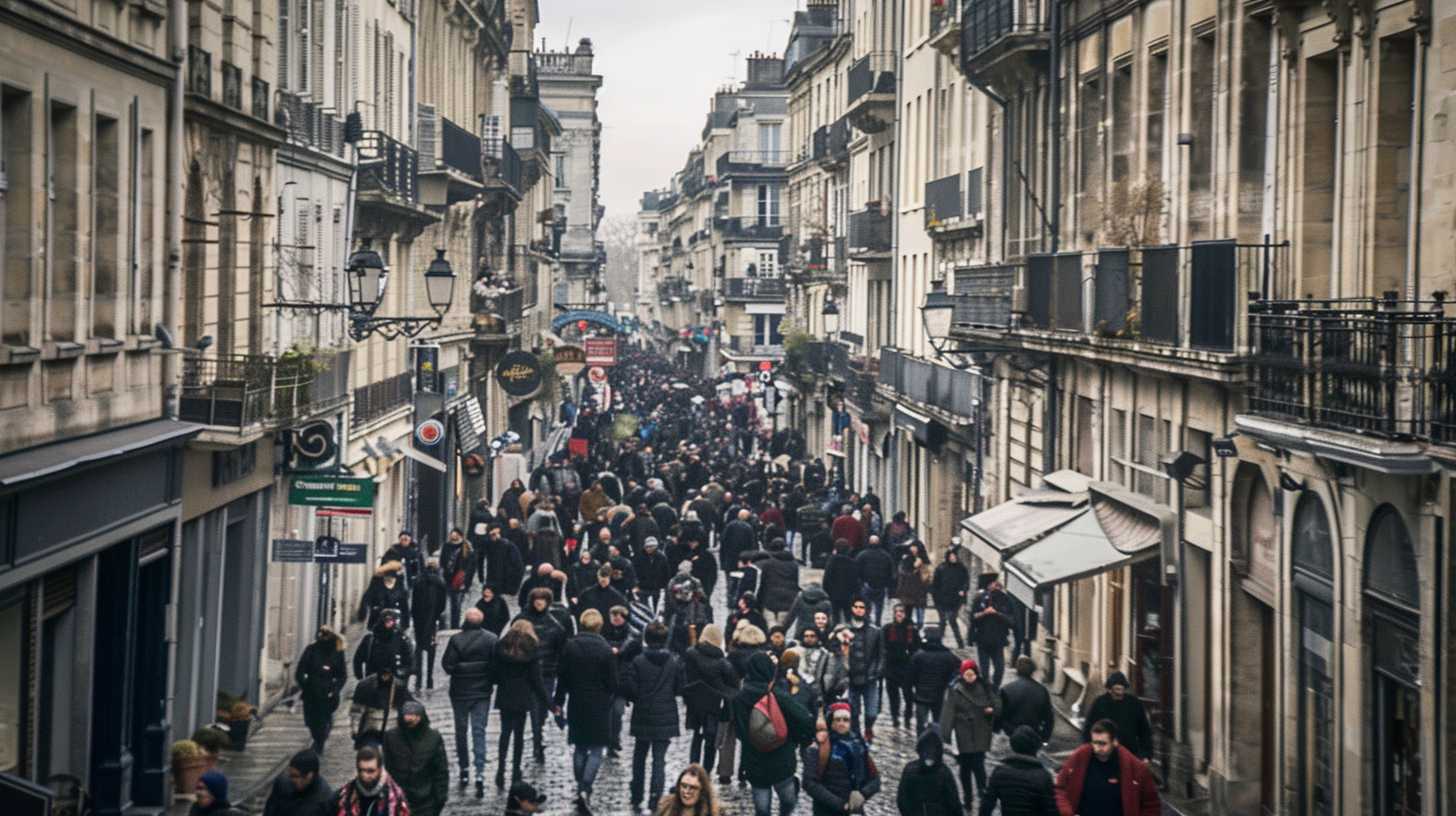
(840,706)
(968,664)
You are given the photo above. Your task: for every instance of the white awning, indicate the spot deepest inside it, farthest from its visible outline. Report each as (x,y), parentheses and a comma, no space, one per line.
(1011,526)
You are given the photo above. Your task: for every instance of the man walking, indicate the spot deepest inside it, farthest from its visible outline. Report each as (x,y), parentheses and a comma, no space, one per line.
(652,683)
(1103,778)
(588,687)
(468,662)
(428,604)
(1134,730)
(931,671)
(990,626)
(299,791)
(1025,702)
(371,790)
(414,754)
(769,759)
(320,675)
(876,573)
(866,667)
(384,649)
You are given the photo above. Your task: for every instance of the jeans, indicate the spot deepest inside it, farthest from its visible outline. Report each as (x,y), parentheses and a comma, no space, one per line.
(539,712)
(924,713)
(917,614)
(901,692)
(727,747)
(619,708)
(640,747)
(788,793)
(470,719)
(875,598)
(972,767)
(950,619)
(457,599)
(865,699)
(704,745)
(585,763)
(993,663)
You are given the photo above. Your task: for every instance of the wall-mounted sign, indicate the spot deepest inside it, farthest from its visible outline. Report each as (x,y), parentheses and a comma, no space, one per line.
(430,432)
(570,360)
(469,426)
(597,375)
(331,491)
(427,367)
(313,446)
(601,351)
(519,373)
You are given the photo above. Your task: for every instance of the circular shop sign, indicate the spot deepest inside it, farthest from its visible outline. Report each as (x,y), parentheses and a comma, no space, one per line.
(430,432)
(597,375)
(519,373)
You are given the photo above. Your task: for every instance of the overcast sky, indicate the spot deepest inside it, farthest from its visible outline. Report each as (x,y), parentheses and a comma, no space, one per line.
(660,62)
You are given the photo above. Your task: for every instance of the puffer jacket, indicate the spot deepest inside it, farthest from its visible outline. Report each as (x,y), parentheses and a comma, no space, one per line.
(467,660)
(708,683)
(812,598)
(415,758)
(927,786)
(517,672)
(866,655)
(876,567)
(652,683)
(778,580)
(964,714)
(931,670)
(1022,786)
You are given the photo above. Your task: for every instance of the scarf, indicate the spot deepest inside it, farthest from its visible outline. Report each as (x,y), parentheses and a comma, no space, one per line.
(852,751)
(391,800)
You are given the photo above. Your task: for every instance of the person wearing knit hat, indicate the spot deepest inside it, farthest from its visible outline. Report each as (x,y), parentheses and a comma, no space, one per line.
(932,668)
(299,791)
(839,773)
(212,795)
(414,755)
(969,713)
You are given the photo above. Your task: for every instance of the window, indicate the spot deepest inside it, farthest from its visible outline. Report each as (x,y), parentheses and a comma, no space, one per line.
(106,214)
(1117,445)
(1200,171)
(13,639)
(769,144)
(1157,93)
(768,264)
(146,197)
(1199,443)
(65,220)
(768,205)
(1123,125)
(17,152)
(766,330)
(561,171)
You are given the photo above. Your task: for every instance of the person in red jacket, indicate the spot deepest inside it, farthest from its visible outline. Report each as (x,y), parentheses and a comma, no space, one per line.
(847,527)
(1103,778)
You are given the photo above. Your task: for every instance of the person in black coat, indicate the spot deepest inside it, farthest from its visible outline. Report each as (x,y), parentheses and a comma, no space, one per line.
(458,568)
(384,648)
(517,671)
(552,633)
(778,580)
(495,614)
(927,787)
(841,580)
(1026,702)
(877,572)
(299,791)
(704,568)
(386,591)
(428,604)
(747,610)
(931,670)
(539,579)
(320,675)
(948,588)
(468,658)
(505,565)
(709,681)
(902,641)
(990,627)
(738,537)
(652,683)
(587,687)
(1021,784)
(653,572)
(1119,704)
(601,596)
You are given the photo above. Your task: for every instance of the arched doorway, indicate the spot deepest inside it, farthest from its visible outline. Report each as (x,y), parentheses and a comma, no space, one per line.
(1313,558)
(1253,702)
(1392,631)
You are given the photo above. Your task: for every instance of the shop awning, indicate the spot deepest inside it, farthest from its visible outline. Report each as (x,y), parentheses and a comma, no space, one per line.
(1120,527)
(58,457)
(1010,526)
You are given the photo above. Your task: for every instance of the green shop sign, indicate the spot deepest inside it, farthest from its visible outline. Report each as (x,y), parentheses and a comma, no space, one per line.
(331,491)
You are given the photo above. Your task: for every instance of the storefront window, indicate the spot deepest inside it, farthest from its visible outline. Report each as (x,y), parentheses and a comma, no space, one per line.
(12,658)
(1313,555)
(1392,598)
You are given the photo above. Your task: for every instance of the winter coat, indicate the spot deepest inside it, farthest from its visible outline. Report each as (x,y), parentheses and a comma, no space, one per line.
(737,538)
(285,800)
(876,567)
(705,570)
(1134,730)
(653,681)
(848,528)
(458,559)
(779,580)
(928,788)
(1026,702)
(866,655)
(991,631)
(811,518)
(551,635)
(653,571)
(321,672)
(964,714)
(427,603)
(841,578)
(415,758)
(517,670)
(931,670)
(467,660)
(592,501)
(1022,786)
(374,704)
(602,599)
(912,584)
(949,584)
(812,598)
(811,665)
(581,576)
(708,682)
(379,597)
(496,613)
(768,768)
(827,773)
(506,567)
(412,559)
(384,649)
(1139,788)
(902,641)
(588,684)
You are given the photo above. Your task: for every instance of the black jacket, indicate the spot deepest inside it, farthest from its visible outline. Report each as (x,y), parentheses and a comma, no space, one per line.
(902,641)
(709,681)
(653,571)
(321,672)
(496,613)
(552,636)
(876,567)
(427,603)
(931,670)
(415,759)
(737,538)
(602,599)
(284,800)
(517,670)
(866,655)
(587,685)
(653,682)
(841,578)
(705,569)
(1134,730)
(467,660)
(1027,702)
(928,789)
(778,580)
(379,597)
(949,585)
(992,630)
(384,649)
(1022,786)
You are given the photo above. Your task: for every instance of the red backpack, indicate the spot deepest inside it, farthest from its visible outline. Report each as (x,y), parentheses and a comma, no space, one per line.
(767,728)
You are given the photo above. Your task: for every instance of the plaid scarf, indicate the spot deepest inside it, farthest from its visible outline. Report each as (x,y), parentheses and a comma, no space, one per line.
(391,800)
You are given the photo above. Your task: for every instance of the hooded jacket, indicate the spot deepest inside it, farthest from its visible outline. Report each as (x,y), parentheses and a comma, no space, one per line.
(322,671)
(708,683)
(467,660)
(379,597)
(384,649)
(812,598)
(768,768)
(415,758)
(653,681)
(588,683)
(927,787)
(1134,730)
(517,672)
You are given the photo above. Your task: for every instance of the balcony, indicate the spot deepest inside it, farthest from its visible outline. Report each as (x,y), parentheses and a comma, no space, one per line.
(864,373)
(388,167)
(831,144)
(871,88)
(497,311)
(199,71)
(771,290)
(944,202)
(748,228)
(935,386)
(742,162)
(252,394)
(1003,41)
(945,26)
(984,296)
(378,399)
(502,174)
(1370,366)
(871,234)
(452,167)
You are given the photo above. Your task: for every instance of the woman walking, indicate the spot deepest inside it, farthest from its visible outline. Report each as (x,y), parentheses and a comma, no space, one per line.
(912,583)
(693,795)
(969,712)
(518,690)
(709,681)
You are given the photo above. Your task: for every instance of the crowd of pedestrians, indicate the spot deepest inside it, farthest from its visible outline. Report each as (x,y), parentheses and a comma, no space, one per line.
(610,554)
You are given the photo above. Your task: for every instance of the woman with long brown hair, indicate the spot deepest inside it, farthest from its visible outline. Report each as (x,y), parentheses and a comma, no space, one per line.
(693,795)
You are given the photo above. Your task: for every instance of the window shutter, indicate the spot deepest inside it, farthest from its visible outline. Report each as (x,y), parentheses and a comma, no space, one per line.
(355,44)
(341,30)
(283,36)
(305,49)
(427,135)
(60,592)
(316,36)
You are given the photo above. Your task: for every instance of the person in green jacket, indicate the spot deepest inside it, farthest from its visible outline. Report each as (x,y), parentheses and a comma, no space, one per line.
(771,772)
(414,755)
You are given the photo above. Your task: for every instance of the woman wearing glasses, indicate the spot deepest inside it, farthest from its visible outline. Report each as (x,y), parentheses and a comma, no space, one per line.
(693,795)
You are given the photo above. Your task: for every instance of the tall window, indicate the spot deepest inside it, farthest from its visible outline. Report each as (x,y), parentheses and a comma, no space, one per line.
(65,223)
(1313,559)
(769,140)
(766,330)
(768,263)
(17,150)
(768,205)
(561,171)
(1157,102)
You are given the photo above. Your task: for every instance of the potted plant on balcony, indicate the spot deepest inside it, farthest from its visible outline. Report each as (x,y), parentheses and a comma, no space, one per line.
(189,762)
(236,714)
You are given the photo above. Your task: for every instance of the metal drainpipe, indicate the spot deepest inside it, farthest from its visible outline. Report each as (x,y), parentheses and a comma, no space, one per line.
(177,23)
(1418,157)
(1054,102)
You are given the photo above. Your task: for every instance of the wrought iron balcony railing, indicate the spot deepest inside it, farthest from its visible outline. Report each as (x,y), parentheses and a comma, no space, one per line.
(772,289)
(376,399)
(870,231)
(243,391)
(460,149)
(749,161)
(984,296)
(944,200)
(987,23)
(1375,366)
(938,386)
(388,166)
(874,73)
(750,228)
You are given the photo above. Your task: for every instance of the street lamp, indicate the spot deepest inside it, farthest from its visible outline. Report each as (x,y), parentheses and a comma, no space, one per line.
(367,276)
(936,314)
(439,283)
(831,317)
